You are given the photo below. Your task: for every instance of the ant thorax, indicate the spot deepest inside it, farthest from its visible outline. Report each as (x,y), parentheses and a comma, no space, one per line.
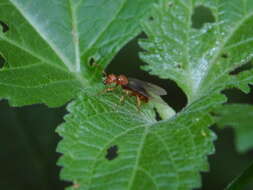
(122,80)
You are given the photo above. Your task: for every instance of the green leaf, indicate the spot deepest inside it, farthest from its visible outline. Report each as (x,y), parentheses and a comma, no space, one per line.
(148,154)
(112,146)
(50,44)
(198,60)
(242,80)
(240,117)
(243,180)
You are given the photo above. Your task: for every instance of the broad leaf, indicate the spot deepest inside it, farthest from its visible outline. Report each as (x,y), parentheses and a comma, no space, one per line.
(108,146)
(144,153)
(50,46)
(111,146)
(240,117)
(199,60)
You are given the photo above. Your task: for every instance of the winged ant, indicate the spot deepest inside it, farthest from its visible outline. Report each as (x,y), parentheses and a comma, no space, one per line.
(143,91)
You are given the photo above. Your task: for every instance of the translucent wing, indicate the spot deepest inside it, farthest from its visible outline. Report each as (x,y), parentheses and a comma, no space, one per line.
(136,86)
(146,87)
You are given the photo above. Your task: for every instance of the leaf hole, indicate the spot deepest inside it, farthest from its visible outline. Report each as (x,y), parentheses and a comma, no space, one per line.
(112,152)
(92,62)
(224,55)
(214,114)
(157,116)
(170,4)
(244,67)
(201,16)
(151,18)
(179,66)
(128,62)
(2,61)
(4,26)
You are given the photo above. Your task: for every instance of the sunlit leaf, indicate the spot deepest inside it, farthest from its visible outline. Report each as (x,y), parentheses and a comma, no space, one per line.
(55,47)
(147,154)
(54,50)
(199,60)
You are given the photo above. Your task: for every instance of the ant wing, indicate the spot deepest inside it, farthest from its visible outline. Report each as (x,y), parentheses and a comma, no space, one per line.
(147,87)
(137,86)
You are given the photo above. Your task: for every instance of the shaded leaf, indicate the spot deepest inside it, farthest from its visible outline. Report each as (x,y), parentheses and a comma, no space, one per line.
(244,180)
(240,117)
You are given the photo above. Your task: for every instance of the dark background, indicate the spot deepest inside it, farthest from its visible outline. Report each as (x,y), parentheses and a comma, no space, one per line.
(28,139)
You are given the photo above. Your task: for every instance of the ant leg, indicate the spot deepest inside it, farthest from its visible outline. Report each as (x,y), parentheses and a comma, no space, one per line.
(122,99)
(138,102)
(128,92)
(108,90)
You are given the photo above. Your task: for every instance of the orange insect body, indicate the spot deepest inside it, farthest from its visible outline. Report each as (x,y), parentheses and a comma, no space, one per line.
(119,80)
(123,81)
(143,91)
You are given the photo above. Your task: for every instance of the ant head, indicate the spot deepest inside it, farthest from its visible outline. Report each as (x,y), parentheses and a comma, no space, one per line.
(122,80)
(110,79)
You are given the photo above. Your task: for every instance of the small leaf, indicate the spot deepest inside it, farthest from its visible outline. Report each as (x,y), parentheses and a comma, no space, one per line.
(240,117)
(242,81)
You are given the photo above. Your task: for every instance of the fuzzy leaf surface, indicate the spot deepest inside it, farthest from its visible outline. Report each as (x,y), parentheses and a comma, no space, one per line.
(59,38)
(149,154)
(198,60)
(48,45)
(171,153)
(240,117)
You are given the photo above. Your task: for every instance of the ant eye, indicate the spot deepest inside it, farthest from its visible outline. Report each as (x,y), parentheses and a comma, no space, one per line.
(122,80)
